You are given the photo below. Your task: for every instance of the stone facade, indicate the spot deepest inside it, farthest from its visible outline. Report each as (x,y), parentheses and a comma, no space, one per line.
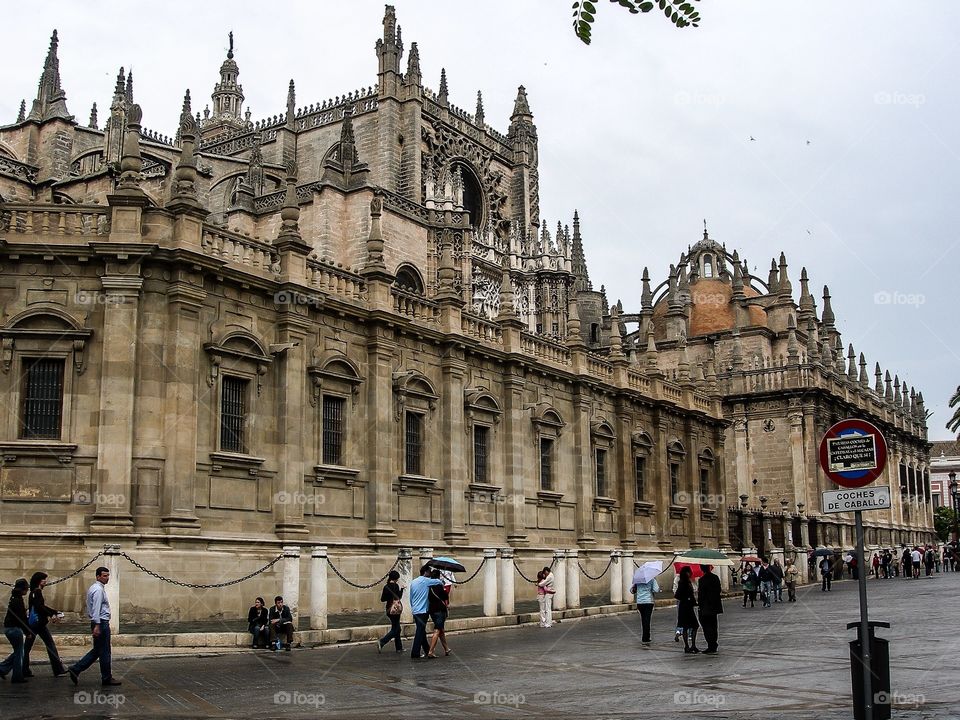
(347,325)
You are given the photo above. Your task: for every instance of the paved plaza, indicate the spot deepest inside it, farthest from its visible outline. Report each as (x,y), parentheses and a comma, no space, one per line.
(787,661)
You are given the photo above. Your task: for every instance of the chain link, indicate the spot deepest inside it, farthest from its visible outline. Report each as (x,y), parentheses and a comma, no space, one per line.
(356,585)
(197,586)
(476,572)
(76,572)
(524,576)
(584,571)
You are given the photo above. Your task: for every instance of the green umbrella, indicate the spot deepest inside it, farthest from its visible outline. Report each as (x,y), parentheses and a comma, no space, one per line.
(703,556)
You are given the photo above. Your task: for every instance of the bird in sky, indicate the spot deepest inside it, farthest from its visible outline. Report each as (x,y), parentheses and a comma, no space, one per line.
(752,139)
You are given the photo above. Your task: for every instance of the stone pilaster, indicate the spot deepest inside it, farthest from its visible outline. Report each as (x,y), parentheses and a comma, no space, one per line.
(694,529)
(661,476)
(291,401)
(798,466)
(582,467)
(515,430)
(626,488)
(380,453)
(455,451)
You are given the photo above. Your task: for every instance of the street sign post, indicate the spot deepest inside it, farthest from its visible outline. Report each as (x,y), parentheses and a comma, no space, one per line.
(853,453)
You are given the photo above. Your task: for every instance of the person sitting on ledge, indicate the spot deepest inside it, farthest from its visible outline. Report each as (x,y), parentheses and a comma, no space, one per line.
(258,624)
(281,623)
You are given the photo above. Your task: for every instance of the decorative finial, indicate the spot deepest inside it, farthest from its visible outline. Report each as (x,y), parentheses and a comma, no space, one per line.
(22,115)
(442,95)
(479,116)
(93,117)
(230,51)
(705,235)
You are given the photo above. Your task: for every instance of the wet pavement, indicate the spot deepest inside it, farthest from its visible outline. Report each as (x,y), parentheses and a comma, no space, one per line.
(788,661)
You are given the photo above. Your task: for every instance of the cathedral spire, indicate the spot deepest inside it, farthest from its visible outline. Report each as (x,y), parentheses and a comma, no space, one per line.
(413,76)
(827,315)
(93,117)
(521,106)
(22,115)
(646,296)
(228,93)
(578,258)
(128,90)
(390,46)
(184,191)
(290,212)
(508,309)
(51,101)
(291,103)
(783,282)
(773,278)
(375,236)
(131,161)
(479,117)
(444,93)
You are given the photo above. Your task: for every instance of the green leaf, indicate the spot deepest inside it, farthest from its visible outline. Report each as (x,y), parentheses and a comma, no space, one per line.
(589,7)
(646,6)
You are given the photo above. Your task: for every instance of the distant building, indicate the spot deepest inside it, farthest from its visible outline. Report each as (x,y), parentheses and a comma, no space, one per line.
(944,459)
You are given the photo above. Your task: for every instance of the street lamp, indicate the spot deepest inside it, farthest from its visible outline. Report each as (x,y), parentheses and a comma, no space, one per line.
(955,497)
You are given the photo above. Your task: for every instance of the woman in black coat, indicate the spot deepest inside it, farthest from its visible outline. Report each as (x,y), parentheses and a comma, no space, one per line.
(257,624)
(390,596)
(686,615)
(36,603)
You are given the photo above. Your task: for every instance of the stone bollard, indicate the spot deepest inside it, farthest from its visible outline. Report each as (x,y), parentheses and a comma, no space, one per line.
(405,555)
(291,580)
(560,580)
(616,579)
(573,578)
(318,588)
(111,561)
(627,568)
(507,591)
(489,582)
(426,554)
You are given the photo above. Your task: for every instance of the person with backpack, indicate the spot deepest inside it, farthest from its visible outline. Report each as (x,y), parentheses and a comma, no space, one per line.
(38,617)
(826,573)
(928,561)
(391,596)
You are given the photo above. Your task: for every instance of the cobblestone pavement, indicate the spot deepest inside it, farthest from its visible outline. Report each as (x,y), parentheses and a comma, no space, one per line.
(789,661)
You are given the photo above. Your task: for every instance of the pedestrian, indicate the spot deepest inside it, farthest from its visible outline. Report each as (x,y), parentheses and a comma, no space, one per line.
(38,607)
(928,561)
(915,558)
(281,624)
(258,623)
(98,609)
(937,553)
(709,596)
(643,593)
(391,595)
(545,593)
(826,573)
(777,570)
(875,563)
(854,568)
(765,576)
(438,599)
(17,629)
(419,606)
(748,579)
(791,573)
(686,616)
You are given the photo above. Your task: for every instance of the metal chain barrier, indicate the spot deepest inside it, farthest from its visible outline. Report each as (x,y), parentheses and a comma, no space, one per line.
(357,585)
(76,572)
(584,571)
(524,576)
(475,573)
(197,586)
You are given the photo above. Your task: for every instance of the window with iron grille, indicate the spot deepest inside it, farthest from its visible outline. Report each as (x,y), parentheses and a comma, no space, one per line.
(414,444)
(546,464)
(674,482)
(601,473)
(332,430)
(233,414)
(481,435)
(41,407)
(639,476)
(704,484)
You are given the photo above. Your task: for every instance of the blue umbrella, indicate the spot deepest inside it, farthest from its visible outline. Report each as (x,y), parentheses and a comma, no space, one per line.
(446,563)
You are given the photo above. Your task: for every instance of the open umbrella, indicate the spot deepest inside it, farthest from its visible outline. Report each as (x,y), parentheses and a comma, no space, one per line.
(446,563)
(750,559)
(821,552)
(704,556)
(647,572)
(695,571)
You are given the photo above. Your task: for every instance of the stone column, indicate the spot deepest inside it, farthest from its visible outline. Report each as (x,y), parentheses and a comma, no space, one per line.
(661,481)
(426,554)
(489,582)
(185,297)
(694,532)
(318,588)
(723,513)
(746,519)
(626,574)
(515,430)
(582,467)
(291,392)
(741,454)
(798,465)
(573,579)
(116,418)
(111,561)
(383,429)
(405,555)
(454,450)
(507,591)
(291,579)
(559,580)
(616,578)
(767,533)
(804,532)
(625,484)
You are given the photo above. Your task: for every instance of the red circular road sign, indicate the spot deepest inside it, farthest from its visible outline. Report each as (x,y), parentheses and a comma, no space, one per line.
(853,453)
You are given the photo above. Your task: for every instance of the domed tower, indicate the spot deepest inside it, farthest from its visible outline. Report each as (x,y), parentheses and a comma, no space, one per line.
(227,98)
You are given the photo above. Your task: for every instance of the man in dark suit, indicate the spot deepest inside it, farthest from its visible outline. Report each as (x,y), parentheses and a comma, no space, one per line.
(711,605)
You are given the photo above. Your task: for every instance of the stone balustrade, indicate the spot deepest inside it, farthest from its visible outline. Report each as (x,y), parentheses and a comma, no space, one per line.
(334,280)
(481,329)
(415,307)
(242,251)
(84,220)
(544,349)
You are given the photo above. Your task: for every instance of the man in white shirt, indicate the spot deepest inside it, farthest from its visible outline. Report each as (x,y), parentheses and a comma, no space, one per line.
(98,608)
(915,556)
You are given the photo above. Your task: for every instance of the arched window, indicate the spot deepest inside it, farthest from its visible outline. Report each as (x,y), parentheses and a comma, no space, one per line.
(472,194)
(408,278)
(708,266)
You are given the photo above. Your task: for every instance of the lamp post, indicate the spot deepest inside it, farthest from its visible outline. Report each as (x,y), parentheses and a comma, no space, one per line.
(955,498)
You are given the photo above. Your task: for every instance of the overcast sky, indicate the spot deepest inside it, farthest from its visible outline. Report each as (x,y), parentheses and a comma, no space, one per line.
(853,108)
